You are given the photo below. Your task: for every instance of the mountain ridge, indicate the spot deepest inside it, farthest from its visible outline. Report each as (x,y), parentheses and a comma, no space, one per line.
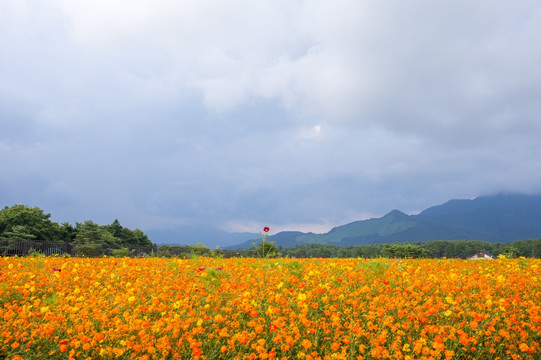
(503,217)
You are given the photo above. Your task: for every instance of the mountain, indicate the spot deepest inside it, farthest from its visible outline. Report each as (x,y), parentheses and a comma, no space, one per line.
(496,218)
(193,234)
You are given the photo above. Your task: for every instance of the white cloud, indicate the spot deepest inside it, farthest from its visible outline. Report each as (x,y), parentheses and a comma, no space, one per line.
(293,112)
(353,62)
(311,133)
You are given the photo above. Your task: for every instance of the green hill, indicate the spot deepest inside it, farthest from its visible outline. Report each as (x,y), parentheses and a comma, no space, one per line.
(497,218)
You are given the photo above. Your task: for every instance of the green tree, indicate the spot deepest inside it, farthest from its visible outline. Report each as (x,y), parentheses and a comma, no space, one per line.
(88,232)
(528,248)
(115,229)
(197,250)
(368,251)
(27,221)
(141,238)
(67,232)
(19,232)
(107,238)
(404,250)
(439,248)
(164,251)
(510,252)
(126,236)
(344,252)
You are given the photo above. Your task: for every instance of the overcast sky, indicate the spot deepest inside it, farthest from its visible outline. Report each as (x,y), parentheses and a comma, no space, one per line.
(241,114)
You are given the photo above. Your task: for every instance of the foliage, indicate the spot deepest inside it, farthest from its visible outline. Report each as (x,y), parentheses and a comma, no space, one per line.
(432,249)
(217,253)
(21,221)
(265,248)
(528,248)
(197,250)
(19,232)
(164,251)
(110,308)
(510,252)
(125,235)
(35,253)
(123,252)
(67,232)
(401,250)
(88,250)
(88,232)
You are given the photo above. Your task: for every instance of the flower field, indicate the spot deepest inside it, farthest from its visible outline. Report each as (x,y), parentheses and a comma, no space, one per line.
(153,308)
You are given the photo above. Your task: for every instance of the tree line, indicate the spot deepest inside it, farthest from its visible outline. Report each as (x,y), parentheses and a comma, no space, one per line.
(429,249)
(21,222)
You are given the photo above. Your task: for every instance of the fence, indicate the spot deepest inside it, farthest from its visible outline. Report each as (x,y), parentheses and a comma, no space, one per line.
(11,247)
(185,251)
(14,247)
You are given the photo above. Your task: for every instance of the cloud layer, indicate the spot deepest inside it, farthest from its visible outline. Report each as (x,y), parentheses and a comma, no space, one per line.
(287,113)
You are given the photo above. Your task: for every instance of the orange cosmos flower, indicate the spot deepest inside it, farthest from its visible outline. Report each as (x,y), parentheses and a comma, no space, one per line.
(307,344)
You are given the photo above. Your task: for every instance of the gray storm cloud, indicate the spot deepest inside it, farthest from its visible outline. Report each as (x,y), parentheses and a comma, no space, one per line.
(165,112)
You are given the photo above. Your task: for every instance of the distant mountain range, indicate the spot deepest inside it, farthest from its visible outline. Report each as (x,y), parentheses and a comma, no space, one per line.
(496,218)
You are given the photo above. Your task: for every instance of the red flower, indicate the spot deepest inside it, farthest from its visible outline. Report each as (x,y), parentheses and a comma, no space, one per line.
(55,269)
(266,229)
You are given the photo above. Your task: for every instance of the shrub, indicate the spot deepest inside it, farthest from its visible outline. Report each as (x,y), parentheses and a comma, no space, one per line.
(123,252)
(88,250)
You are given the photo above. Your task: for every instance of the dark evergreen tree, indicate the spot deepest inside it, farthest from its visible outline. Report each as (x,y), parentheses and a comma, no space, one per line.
(115,229)
(88,232)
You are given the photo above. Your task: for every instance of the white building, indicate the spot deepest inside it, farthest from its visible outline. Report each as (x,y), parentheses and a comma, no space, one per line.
(482,255)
